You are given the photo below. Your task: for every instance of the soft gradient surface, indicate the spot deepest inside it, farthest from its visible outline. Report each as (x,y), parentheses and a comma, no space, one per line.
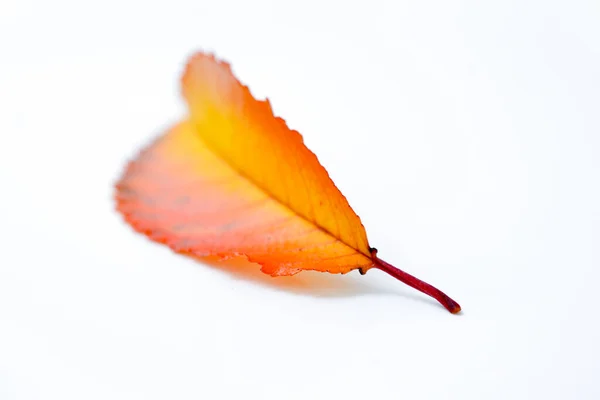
(464,134)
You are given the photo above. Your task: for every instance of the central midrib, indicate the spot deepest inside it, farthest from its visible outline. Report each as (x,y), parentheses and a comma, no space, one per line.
(268,193)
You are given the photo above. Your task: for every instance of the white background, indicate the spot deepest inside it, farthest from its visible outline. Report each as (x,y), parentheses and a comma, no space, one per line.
(465,134)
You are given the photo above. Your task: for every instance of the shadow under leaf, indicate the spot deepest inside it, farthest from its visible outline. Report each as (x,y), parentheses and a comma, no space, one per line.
(308,283)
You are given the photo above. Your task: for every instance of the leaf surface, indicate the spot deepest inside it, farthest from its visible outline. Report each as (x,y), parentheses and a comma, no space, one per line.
(233,180)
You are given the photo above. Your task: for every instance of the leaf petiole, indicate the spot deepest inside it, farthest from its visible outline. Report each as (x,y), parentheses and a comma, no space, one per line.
(416,283)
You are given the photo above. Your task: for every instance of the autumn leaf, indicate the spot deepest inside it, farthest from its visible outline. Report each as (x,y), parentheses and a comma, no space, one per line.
(233,180)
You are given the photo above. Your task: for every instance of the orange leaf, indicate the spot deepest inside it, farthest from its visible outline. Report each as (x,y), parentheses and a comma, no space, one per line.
(233,180)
